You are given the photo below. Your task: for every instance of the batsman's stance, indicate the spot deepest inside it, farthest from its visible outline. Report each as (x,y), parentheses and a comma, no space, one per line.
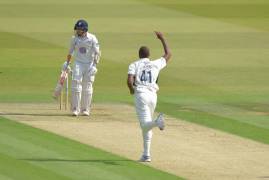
(142,82)
(85,49)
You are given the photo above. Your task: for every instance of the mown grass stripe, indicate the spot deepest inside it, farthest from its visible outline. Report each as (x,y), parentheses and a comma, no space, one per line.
(33,152)
(18,169)
(217,122)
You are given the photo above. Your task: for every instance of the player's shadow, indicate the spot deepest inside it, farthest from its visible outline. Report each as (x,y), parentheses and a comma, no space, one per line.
(33,114)
(114,162)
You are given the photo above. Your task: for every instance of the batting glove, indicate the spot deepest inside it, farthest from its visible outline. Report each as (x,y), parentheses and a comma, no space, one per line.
(93,71)
(65,65)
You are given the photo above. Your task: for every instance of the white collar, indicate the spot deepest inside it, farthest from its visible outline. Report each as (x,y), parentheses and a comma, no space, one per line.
(144,59)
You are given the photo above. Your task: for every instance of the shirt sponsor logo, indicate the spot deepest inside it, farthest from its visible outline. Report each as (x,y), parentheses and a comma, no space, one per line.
(82,50)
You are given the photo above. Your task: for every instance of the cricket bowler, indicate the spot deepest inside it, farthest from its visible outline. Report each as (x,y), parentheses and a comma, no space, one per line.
(142,82)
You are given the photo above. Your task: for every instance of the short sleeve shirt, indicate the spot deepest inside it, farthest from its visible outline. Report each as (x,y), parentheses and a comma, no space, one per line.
(146,73)
(84,48)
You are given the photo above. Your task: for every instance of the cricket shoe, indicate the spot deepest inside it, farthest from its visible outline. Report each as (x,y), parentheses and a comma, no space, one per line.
(160,121)
(85,113)
(145,158)
(75,113)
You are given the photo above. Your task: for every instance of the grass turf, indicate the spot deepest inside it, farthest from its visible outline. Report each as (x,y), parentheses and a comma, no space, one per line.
(217,76)
(37,154)
(218,73)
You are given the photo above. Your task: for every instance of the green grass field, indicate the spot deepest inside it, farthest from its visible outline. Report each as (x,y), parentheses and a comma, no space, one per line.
(218,76)
(36,154)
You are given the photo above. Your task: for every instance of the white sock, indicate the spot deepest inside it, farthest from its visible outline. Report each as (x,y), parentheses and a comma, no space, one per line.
(147,135)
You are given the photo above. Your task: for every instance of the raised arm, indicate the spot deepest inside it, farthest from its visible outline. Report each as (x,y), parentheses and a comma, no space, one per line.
(167,53)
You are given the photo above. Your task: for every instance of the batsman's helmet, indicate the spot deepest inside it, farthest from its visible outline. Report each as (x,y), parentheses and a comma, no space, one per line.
(81,24)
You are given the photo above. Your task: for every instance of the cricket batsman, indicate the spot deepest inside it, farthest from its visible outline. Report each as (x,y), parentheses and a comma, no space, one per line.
(142,82)
(85,50)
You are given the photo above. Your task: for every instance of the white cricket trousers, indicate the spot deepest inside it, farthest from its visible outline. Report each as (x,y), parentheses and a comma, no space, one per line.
(82,87)
(145,103)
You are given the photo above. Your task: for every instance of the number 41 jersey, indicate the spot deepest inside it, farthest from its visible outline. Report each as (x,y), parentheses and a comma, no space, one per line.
(146,74)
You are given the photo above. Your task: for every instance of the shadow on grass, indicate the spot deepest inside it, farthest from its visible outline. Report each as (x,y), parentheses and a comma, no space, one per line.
(103,161)
(33,114)
(108,117)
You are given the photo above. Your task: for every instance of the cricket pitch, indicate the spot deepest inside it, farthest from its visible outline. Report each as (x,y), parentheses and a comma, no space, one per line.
(184,149)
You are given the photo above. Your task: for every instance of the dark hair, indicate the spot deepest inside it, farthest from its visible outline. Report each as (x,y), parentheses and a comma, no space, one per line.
(144,52)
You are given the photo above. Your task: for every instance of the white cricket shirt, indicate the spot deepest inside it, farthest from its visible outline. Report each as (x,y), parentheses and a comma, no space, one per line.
(84,49)
(146,73)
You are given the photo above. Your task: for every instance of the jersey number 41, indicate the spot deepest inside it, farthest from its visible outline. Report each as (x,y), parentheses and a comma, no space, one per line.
(146,76)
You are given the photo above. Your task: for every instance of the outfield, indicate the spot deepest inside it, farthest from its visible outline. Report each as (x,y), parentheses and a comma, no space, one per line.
(217,77)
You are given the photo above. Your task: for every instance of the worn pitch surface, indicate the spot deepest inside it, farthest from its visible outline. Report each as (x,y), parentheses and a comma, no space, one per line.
(184,149)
